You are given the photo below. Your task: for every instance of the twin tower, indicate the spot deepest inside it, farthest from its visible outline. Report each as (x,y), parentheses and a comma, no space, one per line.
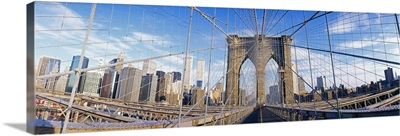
(259,49)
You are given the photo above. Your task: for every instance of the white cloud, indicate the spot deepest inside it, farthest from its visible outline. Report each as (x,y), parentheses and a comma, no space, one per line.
(366,41)
(343,24)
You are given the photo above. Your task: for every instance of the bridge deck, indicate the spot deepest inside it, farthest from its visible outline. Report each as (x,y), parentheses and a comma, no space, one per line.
(262,115)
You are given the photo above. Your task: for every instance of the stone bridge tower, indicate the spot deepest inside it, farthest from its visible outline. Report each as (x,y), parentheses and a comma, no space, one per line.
(259,50)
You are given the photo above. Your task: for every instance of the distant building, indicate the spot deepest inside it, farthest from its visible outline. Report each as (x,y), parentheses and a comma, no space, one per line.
(149,67)
(92,82)
(302,87)
(128,88)
(71,77)
(148,88)
(200,73)
(106,85)
(174,93)
(47,65)
(389,75)
(176,87)
(197,95)
(109,82)
(187,78)
(169,80)
(62,81)
(275,95)
(321,83)
(177,76)
(161,85)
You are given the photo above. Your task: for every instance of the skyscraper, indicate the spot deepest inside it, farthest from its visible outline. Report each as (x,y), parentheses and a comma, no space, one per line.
(197,95)
(174,92)
(47,65)
(302,86)
(177,76)
(161,85)
(149,67)
(117,68)
(62,81)
(275,95)
(148,88)
(120,58)
(108,84)
(200,73)
(54,68)
(110,78)
(129,84)
(92,82)
(389,75)
(321,83)
(112,62)
(186,82)
(71,77)
(169,77)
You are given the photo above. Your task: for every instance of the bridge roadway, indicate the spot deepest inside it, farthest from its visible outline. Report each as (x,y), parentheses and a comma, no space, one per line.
(262,115)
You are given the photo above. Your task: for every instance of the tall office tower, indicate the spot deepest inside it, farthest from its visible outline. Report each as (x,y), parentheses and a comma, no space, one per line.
(186,82)
(62,81)
(275,94)
(389,75)
(47,65)
(169,77)
(177,76)
(175,93)
(129,84)
(302,86)
(161,85)
(51,82)
(321,83)
(110,79)
(295,80)
(200,73)
(113,61)
(92,81)
(148,88)
(149,67)
(71,77)
(101,70)
(169,80)
(108,84)
(117,68)
(176,87)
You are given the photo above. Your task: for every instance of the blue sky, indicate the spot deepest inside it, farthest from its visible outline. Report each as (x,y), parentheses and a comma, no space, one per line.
(146,31)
